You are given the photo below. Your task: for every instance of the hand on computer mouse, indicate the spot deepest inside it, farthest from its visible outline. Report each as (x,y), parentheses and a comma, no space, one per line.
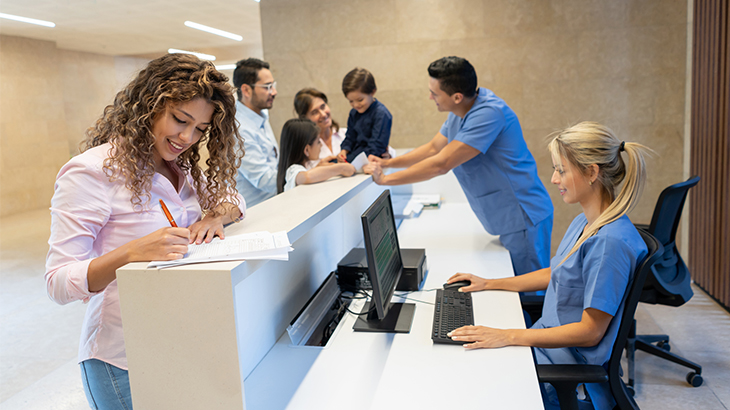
(457,285)
(467,282)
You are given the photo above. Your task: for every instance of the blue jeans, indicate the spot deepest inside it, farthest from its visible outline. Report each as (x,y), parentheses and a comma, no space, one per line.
(106,386)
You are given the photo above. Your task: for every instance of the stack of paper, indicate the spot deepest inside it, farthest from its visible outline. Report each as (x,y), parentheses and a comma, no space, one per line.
(257,245)
(404,207)
(427,200)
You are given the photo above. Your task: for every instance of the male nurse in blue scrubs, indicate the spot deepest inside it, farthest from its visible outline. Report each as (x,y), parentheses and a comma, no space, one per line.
(482,142)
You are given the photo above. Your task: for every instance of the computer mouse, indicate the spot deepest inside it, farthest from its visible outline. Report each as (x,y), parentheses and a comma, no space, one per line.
(456,285)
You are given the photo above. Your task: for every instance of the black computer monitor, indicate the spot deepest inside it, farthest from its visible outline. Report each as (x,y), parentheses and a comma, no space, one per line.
(385,267)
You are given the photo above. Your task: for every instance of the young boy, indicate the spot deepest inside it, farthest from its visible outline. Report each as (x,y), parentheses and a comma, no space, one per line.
(369,123)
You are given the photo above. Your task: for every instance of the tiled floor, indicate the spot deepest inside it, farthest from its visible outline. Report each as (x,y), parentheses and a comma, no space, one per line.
(38,339)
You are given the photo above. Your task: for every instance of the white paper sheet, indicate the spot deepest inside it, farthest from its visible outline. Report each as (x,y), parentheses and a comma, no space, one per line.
(257,245)
(360,161)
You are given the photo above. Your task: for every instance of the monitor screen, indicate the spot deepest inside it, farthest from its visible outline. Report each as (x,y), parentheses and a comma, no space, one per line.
(385,267)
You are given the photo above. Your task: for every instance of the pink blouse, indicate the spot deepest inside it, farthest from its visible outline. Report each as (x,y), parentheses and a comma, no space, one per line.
(90,217)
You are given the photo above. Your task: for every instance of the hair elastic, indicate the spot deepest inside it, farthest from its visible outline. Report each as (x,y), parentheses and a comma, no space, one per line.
(621,147)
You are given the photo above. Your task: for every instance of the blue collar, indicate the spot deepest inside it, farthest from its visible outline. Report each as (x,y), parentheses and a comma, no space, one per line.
(251,116)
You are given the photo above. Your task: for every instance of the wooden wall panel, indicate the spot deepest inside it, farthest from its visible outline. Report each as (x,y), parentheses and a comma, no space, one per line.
(709,247)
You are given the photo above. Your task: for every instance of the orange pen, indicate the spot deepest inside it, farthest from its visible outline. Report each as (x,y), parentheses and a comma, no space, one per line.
(167,214)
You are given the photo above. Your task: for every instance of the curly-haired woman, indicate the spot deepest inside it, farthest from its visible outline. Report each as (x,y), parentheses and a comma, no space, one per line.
(105,209)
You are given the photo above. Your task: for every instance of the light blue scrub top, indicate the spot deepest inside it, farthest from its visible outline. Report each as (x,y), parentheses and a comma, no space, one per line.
(501,182)
(256,178)
(595,276)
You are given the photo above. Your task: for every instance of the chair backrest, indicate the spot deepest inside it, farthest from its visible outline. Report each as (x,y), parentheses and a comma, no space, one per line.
(668,210)
(669,282)
(623,398)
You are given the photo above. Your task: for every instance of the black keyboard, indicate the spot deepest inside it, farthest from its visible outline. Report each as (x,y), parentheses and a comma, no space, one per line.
(453,310)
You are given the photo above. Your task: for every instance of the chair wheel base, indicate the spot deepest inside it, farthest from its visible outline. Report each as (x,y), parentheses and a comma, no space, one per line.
(694,379)
(631,390)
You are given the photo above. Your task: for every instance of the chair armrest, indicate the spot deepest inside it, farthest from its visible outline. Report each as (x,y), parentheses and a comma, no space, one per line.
(531,300)
(532,304)
(643,227)
(571,373)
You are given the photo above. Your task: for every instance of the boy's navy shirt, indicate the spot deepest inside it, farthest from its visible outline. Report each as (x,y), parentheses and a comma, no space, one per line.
(368,132)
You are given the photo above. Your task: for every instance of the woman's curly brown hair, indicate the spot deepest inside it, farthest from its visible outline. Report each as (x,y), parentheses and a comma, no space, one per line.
(127,126)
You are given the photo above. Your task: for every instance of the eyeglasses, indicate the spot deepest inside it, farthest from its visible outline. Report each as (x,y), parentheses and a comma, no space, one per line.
(268,87)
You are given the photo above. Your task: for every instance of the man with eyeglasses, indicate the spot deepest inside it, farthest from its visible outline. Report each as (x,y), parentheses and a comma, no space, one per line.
(256,89)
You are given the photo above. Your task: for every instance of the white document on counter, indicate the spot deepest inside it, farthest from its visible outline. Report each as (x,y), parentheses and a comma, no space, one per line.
(360,161)
(404,207)
(249,246)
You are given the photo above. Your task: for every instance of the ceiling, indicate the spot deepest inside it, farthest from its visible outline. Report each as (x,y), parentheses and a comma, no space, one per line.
(138,27)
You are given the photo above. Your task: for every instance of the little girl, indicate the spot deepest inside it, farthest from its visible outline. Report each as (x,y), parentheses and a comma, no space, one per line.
(300,146)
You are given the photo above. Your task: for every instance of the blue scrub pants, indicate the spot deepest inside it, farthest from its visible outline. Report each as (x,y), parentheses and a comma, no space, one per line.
(106,386)
(529,249)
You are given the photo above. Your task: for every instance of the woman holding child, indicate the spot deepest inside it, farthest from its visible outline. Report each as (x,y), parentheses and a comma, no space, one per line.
(312,104)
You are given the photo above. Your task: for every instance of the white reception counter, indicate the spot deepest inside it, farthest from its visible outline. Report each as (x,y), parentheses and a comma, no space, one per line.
(213,336)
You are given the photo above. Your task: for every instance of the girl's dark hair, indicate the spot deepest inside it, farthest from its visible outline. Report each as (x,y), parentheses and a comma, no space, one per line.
(359,79)
(303,101)
(295,136)
(127,126)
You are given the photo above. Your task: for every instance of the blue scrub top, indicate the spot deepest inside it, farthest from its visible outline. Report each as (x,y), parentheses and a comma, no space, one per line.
(501,182)
(595,276)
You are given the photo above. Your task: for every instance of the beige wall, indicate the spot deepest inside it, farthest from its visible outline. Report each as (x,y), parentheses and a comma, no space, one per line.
(49,97)
(555,62)
(33,136)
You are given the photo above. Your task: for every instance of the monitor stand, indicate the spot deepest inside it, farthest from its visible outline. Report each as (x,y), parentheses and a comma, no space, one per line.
(398,319)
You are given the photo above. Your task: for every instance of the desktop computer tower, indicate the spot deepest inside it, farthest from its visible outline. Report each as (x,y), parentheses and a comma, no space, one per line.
(352,270)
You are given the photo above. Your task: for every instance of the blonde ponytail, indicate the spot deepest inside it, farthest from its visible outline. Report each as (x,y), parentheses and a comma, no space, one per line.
(589,143)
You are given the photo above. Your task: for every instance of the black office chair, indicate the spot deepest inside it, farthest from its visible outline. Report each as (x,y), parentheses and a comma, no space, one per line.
(669,281)
(566,378)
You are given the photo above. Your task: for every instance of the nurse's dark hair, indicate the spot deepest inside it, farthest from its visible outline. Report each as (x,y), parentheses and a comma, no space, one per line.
(295,136)
(247,72)
(455,75)
(589,143)
(303,102)
(127,125)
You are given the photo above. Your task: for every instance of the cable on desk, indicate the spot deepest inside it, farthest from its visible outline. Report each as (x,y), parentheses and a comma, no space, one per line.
(402,296)
(332,325)
(353,297)
(367,297)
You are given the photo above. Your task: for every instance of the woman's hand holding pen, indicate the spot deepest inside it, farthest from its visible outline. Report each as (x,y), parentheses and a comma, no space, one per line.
(161,245)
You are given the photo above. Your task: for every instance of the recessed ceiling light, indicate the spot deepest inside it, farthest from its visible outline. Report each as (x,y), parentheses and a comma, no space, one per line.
(199,55)
(225,67)
(27,20)
(212,30)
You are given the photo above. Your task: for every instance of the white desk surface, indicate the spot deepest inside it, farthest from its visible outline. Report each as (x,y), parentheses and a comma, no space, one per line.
(408,371)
